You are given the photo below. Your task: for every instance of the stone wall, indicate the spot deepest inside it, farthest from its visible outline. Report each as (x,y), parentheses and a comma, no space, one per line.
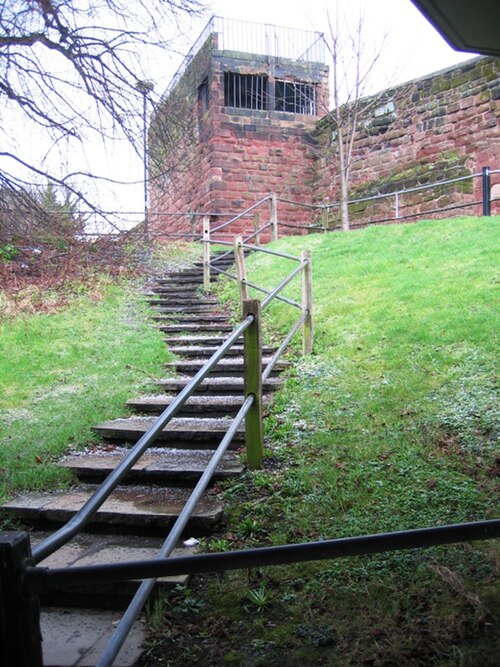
(232,157)
(216,160)
(443,126)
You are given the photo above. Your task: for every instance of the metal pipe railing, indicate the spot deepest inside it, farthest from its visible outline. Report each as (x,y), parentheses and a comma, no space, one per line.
(241,215)
(276,356)
(40,580)
(290,302)
(139,600)
(283,255)
(282,285)
(223,273)
(90,508)
(256,233)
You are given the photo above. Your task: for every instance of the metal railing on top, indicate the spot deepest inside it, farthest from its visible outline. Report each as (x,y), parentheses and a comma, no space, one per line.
(259,38)
(398,196)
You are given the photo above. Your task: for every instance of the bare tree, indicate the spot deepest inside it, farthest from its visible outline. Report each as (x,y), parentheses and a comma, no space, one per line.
(70,68)
(351,70)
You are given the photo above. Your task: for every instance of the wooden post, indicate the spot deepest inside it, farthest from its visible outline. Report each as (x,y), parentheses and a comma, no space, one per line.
(256,226)
(324,218)
(239,257)
(20,636)
(206,252)
(307,303)
(274,218)
(253,385)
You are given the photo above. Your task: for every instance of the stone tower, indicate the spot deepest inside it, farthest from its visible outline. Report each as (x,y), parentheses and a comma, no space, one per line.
(237,123)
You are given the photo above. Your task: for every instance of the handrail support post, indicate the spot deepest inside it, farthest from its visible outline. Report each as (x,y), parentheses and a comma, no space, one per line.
(324,218)
(20,635)
(486,187)
(206,253)
(256,227)
(239,257)
(253,385)
(274,217)
(307,303)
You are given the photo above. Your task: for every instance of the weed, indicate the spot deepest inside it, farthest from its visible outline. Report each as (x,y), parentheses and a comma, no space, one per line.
(259,598)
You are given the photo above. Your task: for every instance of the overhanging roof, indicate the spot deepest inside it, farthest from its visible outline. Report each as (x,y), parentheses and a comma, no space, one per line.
(467,25)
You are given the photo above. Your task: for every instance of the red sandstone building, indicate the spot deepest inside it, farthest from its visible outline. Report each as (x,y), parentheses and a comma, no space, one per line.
(247,115)
(238,122)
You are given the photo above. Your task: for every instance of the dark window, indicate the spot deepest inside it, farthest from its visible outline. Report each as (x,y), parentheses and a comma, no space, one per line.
(245,91)
(296,97)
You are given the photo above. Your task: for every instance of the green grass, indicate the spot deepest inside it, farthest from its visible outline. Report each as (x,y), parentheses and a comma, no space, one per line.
(391,424)
(63,372)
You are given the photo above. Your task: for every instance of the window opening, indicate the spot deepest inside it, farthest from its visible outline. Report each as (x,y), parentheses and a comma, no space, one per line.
(245,91)
(296,97)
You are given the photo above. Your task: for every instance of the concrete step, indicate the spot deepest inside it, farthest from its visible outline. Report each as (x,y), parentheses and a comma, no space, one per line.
(77,637)
(181,433)
(180,279)
(157,466)
(195,406)
(195,339)
(201,329)
(206,351)
(216,385)
(233,366)
(90,549)
(191,318)
(172,300)
(179,311)
(188,290)
(130,509)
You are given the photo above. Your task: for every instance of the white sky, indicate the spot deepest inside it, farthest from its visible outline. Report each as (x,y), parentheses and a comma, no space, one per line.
(412,49)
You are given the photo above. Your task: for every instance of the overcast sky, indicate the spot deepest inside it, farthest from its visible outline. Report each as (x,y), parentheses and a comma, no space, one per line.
(412,49)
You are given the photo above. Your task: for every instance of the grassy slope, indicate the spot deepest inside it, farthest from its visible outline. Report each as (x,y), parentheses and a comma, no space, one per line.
(392,423)
(61,373)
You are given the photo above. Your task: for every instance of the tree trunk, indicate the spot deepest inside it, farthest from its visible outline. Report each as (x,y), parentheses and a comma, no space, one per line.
(344,190)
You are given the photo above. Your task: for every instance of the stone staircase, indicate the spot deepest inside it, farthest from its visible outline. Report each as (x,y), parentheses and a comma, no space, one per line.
(133,522)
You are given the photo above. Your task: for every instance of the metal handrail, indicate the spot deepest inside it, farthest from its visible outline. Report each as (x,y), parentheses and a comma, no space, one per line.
(241,215)
(276,356)
(90,508)
(283,255)
(402,192)
(282,285)
(221,256)
(256,233)
(290,302)
(257,287)
(224,273)
(43,580)
(139,600)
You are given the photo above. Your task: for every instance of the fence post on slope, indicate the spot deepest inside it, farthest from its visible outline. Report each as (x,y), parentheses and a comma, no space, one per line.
(256,226)
(274,217)
(324,218)
(307,303)
(206,252)
(241,269)
(20,636)
(486,183)
(253,385)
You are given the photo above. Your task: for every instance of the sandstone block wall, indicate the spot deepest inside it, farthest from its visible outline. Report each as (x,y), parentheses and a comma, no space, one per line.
(207,158)
(442,126)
